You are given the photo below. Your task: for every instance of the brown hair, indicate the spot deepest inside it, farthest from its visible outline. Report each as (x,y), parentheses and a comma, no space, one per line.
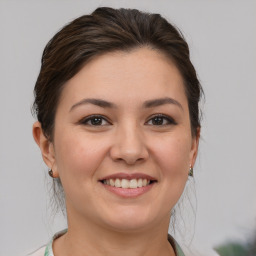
(103,31)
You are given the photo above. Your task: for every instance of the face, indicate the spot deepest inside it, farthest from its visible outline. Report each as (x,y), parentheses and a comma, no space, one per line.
(122,140)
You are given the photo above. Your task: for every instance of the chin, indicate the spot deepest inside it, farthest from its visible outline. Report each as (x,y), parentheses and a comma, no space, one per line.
(130,219)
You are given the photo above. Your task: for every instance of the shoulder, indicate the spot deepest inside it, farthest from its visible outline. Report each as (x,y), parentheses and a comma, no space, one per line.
(39,252)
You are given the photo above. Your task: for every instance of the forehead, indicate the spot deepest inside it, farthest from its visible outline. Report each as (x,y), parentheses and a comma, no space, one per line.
(122,76)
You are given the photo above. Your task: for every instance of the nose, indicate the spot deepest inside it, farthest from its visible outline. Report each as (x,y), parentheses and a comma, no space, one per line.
(129,145)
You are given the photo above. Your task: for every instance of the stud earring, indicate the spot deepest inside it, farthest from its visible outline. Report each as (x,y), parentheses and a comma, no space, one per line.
(191,171)
(50,172)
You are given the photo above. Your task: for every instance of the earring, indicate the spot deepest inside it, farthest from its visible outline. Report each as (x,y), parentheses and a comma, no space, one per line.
(191,171)
(50,172)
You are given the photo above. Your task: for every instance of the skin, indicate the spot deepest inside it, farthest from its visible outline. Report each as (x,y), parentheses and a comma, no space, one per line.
(126,141)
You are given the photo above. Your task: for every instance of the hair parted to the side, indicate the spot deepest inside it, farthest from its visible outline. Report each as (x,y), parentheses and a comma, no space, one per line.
(108,30)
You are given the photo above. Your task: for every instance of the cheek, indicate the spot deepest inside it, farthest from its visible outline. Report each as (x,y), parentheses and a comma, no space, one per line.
(172,155)
(172,160)
(78,156)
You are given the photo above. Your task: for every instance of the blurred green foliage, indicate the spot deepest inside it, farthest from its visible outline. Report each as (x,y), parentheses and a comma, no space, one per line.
(232,249)
(238,249)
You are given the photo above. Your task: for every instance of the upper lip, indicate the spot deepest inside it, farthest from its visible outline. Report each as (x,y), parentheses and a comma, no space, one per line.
(128,176)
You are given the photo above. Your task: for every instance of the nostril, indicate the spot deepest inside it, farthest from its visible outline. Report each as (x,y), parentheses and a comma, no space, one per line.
(129,150)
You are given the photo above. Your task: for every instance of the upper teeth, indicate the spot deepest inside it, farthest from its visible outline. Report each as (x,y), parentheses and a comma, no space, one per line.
(124,183)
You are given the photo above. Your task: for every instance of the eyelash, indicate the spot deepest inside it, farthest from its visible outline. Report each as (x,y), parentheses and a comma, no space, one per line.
(170,121)
(84,121)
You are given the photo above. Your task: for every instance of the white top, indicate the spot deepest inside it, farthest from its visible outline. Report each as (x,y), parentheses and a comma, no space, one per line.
(39,252)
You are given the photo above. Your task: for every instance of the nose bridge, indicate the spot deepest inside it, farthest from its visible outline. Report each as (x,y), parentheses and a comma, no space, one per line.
(129,144)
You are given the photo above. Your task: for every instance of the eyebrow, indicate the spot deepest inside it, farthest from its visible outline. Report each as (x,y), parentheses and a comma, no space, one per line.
(97,102)
(161,101)
(146,104)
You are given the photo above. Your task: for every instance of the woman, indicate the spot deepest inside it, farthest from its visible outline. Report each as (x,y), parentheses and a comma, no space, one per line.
(118,126)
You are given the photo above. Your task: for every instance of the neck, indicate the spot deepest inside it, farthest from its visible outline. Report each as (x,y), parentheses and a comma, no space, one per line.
(86,238)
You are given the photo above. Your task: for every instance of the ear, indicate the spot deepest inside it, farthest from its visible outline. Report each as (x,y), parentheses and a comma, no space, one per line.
(194,147)
(46,147)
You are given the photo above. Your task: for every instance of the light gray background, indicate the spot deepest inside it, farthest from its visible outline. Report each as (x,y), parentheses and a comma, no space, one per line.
(222,38)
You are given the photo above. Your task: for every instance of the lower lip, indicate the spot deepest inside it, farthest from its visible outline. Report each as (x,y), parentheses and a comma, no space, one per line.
(128,192)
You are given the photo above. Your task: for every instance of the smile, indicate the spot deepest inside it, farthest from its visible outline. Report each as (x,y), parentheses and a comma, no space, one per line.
(128,185)
(125,183)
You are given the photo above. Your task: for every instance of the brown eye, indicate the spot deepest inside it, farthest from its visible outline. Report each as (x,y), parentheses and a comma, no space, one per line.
(160,120)
(94,121)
